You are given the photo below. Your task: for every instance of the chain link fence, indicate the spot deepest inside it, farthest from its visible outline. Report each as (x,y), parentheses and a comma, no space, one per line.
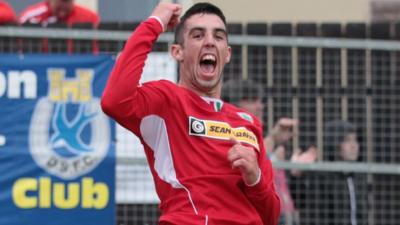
(315,73)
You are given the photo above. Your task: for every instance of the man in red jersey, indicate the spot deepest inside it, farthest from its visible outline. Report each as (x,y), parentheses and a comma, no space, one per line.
(7,14)
(58,11)
(207,157)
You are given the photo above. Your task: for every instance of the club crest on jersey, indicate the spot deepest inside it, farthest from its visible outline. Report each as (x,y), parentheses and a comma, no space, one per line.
(221,130)
(246,116)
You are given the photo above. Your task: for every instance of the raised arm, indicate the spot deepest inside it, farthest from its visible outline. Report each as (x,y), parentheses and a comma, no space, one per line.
(120,98)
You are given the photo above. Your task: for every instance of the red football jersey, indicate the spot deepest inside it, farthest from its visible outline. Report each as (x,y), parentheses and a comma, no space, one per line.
(186,140)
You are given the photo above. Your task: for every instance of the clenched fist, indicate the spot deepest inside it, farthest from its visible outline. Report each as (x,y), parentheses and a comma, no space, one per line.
(245,160)
(168,13)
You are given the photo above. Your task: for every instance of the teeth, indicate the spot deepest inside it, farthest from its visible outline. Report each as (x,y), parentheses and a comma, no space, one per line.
(208,57)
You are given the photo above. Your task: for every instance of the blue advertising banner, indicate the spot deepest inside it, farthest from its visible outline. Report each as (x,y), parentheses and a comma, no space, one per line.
(57,158)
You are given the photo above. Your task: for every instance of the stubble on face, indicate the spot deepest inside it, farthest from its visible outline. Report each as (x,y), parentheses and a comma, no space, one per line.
(205,52)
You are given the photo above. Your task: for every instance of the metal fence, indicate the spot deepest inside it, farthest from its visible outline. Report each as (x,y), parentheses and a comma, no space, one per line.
(314,73)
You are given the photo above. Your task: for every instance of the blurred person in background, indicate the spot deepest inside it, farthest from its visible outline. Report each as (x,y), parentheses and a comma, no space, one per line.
(247,94)
(206,157)
(7,14)
(58,11)
(341,142)
(335,198)
(344,194)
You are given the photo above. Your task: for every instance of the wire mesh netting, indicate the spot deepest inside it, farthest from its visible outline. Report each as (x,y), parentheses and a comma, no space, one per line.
(306,73)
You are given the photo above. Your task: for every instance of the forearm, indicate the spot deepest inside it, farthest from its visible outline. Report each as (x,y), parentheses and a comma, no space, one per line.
(269,144)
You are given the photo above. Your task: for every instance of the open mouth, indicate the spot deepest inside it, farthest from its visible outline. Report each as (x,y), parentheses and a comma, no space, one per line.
(208,63)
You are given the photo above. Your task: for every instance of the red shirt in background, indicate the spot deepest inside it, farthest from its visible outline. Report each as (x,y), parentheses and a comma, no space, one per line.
(7,14)
(41,13)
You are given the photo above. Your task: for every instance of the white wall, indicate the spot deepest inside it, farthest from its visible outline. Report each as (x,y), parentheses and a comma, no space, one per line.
(91,4)
(294,10)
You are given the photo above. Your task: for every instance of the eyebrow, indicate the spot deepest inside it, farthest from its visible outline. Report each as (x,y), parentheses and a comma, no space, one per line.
(215,30)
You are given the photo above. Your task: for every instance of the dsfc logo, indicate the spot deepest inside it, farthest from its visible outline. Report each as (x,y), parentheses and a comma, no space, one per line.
(68,139)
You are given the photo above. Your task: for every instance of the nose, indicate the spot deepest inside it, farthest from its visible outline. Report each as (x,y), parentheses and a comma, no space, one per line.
(209,40)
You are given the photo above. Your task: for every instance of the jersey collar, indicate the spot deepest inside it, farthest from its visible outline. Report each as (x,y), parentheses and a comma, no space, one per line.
(217,103)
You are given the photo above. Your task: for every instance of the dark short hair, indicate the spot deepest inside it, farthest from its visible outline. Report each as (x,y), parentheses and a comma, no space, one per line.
(334,134)
(236,90)
(198,8)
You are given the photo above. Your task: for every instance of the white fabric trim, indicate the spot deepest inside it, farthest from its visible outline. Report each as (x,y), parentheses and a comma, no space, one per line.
(353,203)
(209,99)
(154,133)
(257,181)
(33,13)
(214,101)
(159,20)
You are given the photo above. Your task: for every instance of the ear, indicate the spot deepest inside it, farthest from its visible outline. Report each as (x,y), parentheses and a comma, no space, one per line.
(176,52)
(228,55)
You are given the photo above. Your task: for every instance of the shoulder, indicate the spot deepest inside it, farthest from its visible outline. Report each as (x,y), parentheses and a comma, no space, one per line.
(161,83)
(85,13)
(33,11)
(165,86)
(244,114)
(168,92)
(84,10)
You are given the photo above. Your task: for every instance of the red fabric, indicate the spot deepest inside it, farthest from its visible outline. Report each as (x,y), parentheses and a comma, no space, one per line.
(7,14)
(207,191)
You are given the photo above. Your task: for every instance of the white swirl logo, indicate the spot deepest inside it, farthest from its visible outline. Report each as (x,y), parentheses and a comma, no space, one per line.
(198,126)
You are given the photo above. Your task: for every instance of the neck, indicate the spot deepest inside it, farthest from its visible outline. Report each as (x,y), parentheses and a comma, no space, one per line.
(213,91)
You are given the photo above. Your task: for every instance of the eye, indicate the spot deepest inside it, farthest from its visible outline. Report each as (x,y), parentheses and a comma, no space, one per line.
(220,36)
(197,35)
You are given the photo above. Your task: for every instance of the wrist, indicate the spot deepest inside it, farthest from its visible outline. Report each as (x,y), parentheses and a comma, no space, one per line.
(159,21)
(257,180)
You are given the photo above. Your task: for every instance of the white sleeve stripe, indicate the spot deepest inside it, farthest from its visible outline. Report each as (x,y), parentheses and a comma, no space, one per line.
(257,181)
(159,21)
(154,132)
(33,13)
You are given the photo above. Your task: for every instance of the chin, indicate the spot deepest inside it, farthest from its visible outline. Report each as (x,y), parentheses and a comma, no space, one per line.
(208,84)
